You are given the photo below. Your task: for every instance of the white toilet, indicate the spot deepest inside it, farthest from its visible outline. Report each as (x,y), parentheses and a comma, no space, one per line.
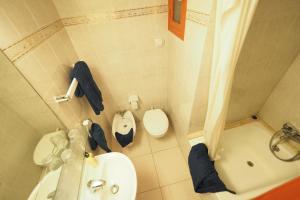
(50,146)
(156,122)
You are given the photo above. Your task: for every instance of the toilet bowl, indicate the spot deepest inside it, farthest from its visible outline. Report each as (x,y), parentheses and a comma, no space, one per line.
(156,122)
(49,147)
(124,128)
(47,186)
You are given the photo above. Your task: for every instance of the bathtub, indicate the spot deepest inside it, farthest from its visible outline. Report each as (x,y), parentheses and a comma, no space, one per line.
(247,166)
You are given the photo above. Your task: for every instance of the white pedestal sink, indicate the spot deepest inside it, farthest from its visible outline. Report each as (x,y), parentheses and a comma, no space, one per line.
(115,169)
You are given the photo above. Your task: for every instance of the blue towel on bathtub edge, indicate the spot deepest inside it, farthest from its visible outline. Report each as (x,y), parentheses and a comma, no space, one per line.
(204,175)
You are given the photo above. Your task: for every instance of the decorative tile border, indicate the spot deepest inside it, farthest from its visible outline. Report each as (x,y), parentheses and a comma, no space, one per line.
(20,48)
(23,46)
(198,17)
(120,14)
(139,12)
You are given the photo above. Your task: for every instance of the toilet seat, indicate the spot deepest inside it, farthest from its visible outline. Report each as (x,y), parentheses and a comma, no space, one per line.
(43,153)
(156,122)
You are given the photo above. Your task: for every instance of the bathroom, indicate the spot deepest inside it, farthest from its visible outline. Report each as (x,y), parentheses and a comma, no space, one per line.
(230,85)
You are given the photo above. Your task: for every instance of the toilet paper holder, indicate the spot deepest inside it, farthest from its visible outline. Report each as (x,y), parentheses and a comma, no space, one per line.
(133,101)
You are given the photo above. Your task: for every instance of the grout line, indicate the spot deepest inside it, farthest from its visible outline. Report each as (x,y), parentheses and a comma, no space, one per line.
(183,180)
(149,190)
(166,149)
(159,187)
(152,189)
(156,170)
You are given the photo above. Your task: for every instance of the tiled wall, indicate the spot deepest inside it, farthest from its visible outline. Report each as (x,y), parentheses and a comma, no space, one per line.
(18,173)
(24,119)
(186,69)
(32,36)
(20,18)
(24,116)
(47,68)
(117,41)
(283,105)
(17,95)
(116,38)
(271,45)
(186,73)
(119,62)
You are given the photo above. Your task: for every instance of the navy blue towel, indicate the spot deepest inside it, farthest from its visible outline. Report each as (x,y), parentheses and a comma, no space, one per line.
(98,138)
(124,140)
(93,143)
(87,86)
(204,175)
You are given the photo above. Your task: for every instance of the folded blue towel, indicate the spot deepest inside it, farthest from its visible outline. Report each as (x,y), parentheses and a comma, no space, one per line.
(87,86)
(98,137)
(124,140)
(204,175)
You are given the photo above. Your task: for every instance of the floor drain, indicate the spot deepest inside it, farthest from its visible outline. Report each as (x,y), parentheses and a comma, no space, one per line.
(251,164)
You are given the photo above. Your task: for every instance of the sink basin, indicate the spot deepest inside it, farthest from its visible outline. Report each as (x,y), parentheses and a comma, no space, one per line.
(115,169)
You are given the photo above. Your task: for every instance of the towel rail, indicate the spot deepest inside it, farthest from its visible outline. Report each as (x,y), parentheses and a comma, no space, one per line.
(70,92)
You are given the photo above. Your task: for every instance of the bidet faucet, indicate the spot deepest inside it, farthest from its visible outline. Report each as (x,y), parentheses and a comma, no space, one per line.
(95,185)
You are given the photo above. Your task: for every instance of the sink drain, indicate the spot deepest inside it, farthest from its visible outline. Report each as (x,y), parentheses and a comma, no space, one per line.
(250,163)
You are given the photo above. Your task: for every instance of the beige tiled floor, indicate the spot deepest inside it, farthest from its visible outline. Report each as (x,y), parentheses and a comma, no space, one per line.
(161,169)
(150,195)
(171,166)
(180,191)
(146,172)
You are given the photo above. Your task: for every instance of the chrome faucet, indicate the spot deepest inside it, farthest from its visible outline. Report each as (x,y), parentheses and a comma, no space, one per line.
(95,185)
(291,132)
(286,133)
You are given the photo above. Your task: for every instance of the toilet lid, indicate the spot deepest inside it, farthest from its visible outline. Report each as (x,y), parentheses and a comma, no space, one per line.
(156,122)
(43,151)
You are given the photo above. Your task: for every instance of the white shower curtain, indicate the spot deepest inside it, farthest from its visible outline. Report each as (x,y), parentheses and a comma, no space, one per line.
(231,22)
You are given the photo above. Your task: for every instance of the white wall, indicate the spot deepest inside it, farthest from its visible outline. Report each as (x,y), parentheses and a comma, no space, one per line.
(188,76)
(283,105)
(271,45)
(18,173)
(46,65)
(121,52)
